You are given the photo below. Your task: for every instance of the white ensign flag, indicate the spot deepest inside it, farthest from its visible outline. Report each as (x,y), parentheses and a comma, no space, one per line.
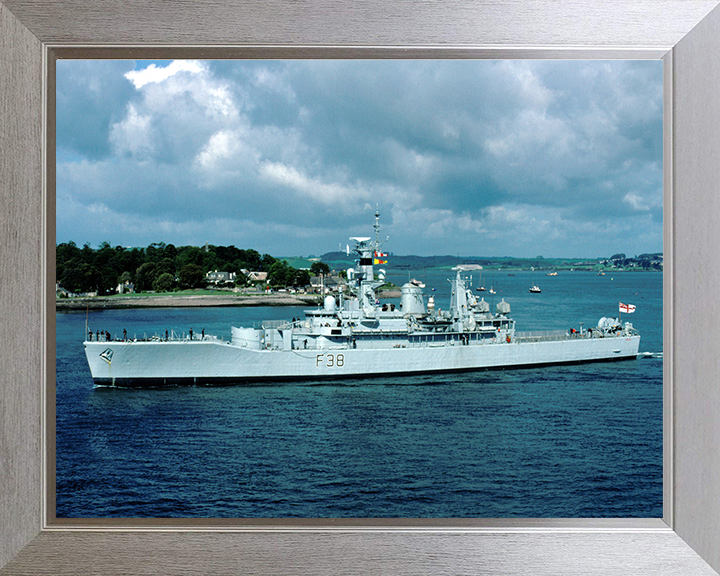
(627,308)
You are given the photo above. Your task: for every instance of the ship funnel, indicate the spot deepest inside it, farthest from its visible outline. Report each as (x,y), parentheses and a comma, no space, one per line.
(411,299)
(503,307)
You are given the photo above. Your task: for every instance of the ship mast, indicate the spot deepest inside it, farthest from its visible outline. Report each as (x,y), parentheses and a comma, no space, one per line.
(367,250)
(377,226)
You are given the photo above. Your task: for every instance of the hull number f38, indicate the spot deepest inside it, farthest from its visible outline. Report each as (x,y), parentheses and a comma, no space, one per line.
(330,360)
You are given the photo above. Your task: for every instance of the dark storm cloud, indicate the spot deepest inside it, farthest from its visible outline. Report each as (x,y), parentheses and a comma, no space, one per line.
(91,96)
(516,157)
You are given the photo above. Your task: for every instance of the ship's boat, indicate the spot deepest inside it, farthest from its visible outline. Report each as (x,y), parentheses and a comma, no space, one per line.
(356,337)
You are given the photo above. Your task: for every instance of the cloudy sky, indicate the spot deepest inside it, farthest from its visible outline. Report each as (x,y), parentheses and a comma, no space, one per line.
(485,158)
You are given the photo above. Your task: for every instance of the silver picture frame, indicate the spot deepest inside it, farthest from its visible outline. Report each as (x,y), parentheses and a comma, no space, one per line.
(684,33)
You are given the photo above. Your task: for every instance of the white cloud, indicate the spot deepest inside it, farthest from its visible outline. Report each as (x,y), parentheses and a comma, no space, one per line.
(154,74)
(221,146)
(98,208)
(133,135)
(274,82)
(182,97)
(531,87)
(312,188)
(642,203)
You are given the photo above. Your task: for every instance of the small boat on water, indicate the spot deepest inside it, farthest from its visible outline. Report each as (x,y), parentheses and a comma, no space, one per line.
(480,289)
(535,289)
(551,274)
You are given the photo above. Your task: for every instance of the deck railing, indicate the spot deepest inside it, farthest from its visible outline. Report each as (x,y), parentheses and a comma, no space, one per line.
(276,324)
(544,336)
(556,335)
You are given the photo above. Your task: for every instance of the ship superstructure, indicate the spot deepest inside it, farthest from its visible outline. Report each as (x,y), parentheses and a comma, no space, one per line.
(356,336)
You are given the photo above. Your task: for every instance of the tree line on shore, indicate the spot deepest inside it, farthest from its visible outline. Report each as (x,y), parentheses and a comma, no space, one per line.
(163,267)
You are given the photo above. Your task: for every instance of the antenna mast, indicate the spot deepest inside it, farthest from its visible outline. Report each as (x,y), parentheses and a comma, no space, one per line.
(377,226)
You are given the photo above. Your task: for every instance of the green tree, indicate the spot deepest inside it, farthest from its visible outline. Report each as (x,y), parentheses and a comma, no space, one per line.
(80,277)
(190,276)
(144,277)
(166,265)
(281,274)
(250,260)
(188,255)
(210,262)
(318,268)
(170,252)
(129,260)
(86,269)
(302,278)
(155,252)
(107,280)
(64,255)
(266,262)
(164,283)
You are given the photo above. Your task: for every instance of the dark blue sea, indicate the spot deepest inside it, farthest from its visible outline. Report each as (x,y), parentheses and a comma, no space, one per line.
(571,441)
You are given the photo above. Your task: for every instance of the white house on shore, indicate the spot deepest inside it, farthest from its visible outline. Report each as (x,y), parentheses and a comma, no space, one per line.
(255,276)
(216,277)
(125,288)
(327,284)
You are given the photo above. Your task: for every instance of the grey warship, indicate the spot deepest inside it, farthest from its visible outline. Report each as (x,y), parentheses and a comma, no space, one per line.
(355,336)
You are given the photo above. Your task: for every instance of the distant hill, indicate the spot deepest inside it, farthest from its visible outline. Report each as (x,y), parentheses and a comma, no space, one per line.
(341,261)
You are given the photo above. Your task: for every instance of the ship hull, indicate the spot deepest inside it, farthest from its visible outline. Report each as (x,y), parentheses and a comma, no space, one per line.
(214,362)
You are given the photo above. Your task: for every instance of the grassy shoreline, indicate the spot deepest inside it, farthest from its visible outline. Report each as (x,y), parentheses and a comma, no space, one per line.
(189,300)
